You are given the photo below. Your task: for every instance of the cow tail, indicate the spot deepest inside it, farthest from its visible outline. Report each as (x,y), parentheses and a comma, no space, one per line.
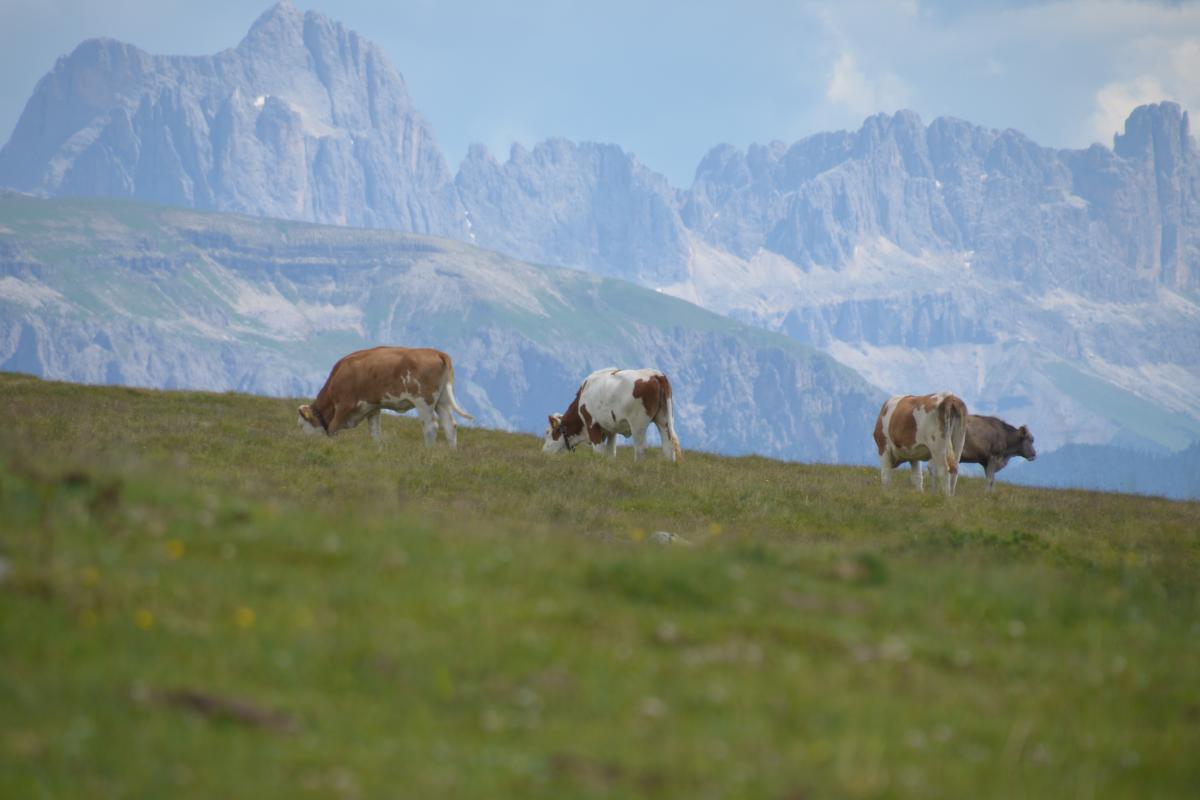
(449,390)
(671,428)
(955,430)
(666,389)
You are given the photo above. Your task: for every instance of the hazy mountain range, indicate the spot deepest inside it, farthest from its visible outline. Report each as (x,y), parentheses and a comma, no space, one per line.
(1057,288)
(107,291)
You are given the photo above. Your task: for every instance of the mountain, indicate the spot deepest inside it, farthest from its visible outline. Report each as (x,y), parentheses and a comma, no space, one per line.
(304,119)
(107,291)
(1055,288)
(1098,222)
(585,205)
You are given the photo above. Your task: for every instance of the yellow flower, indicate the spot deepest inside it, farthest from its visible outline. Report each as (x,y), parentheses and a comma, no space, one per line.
(143,619)
(175,549)
(715,529)
(244,617)
(637,534)
(90,576)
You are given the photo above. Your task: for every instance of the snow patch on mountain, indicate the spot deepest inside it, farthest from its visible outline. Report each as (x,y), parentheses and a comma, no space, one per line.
(28,292)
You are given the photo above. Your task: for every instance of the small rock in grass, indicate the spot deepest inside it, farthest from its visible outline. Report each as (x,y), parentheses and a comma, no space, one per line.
(666,537)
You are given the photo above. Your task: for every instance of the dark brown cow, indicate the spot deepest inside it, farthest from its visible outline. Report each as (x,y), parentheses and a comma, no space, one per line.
(991,442)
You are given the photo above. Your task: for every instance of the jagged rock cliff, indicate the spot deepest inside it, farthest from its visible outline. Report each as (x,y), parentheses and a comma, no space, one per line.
(304,119)
(1059,288)
(1099,221)
(586,205)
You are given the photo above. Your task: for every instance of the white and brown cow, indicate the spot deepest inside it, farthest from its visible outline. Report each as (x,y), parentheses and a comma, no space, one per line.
(929,428)
(991,442)
(365,382)
(616,401)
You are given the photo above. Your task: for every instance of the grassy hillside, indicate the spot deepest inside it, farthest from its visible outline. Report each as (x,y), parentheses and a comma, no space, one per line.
(197,601)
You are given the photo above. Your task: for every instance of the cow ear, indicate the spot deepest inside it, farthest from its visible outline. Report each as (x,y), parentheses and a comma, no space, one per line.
(1023,431)
(553,422)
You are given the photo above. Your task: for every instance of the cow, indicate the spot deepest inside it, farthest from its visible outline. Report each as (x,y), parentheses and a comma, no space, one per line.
(616,401)
(929,428)
(365,382)
(991,442)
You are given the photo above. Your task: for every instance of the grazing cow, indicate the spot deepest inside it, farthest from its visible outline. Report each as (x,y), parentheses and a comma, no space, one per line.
(992,442)
(927,428)
(616,401)
(365,382)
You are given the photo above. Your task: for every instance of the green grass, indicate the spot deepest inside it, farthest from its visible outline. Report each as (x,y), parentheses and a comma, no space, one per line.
(402,622)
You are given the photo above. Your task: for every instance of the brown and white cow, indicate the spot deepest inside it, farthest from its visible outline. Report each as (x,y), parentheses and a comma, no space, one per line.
(616,401)
(929,428)
(365,382)
(991,442)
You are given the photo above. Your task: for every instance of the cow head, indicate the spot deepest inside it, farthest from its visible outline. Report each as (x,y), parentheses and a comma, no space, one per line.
(1027,450)
(308,421)
(556,438)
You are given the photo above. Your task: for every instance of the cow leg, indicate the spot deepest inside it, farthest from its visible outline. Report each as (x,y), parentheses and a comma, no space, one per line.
(990,470)
(667,448)
(374,426)
(428,423)
(639,444)
(918,478)
(610,445)
(445,415)
(341,415)
(940,473)
(885,467)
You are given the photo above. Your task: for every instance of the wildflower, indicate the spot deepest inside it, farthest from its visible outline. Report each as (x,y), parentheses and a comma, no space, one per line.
(175,549)
(143,619)
(90,576)
(244,617)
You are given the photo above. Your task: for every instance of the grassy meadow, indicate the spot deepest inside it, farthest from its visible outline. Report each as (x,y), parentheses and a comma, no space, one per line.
(198,601)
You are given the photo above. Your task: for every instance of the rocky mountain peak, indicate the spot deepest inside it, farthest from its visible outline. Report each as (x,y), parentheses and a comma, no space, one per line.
(1158,128)
(304,119)
(580,204)
(281,23)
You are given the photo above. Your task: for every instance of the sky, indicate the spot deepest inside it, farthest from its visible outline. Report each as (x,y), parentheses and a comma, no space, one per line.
(669,80)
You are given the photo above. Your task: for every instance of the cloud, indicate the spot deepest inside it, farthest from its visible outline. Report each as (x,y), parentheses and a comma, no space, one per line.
(1116,100)
(849,87)
(1065,72)
(1170,74)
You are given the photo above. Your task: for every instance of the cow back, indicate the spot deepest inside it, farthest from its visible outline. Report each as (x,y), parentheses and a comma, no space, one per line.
(370,375)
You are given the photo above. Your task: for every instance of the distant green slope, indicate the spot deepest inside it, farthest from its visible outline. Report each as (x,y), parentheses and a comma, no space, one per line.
(196,600)
(108,291)
(1168,430)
